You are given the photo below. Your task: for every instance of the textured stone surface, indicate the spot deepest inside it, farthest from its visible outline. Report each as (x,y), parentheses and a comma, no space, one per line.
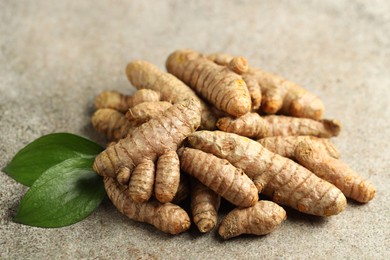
(55,56)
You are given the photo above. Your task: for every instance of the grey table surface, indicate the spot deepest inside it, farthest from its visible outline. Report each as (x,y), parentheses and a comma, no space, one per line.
(56,56)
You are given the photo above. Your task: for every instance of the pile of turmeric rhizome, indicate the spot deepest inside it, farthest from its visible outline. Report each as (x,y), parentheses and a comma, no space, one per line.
(215,127)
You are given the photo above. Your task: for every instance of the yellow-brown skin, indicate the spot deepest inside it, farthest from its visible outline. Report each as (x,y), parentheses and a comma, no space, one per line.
(204,206)
(254,90)
(144,75)
(166,217)
(220,176)
(250,125)
(279,94)
(115,126)
(150,140)
(167,177)
(141,181)
(334,171)
(260,219)
(285,181)
(143,95)
(111,99)
(122,102)
(286,97)
(183,191)
(111,123)
(285,125)
(145,111)
(123,176)
(222,59)
(254,126)
(217,84)
(286,145)
(240,66)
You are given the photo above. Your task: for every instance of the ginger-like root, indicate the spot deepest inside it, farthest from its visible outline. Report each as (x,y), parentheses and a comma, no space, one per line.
(220,86)
(141,181)
(204,206)
(285,181)
(222,59)
(254,90)
(167,177)
(145,111)
(334,171)
(123,176)
(240,66)
(286,145)
(249,125)
(279,94)
(320,156)
(325,128)
(121,102)
(150,140)
(166,217)
(220,176)
(144,75)
(183,191)
(115,126)
(143,95)
(254,126)
(111,123)
(260,219)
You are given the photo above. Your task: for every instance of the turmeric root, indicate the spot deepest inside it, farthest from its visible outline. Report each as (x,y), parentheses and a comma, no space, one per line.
(334,171)
(303,126)
(121,102)
(114,125)
(220,176)
(221,87)
(145,111)
(144,75)
(111,123)
(240,66)
(254,90)
(320,156)
(167,176)
(285,181)
(287,97)
(141,181)
(279,94)
(143,95)
(166,217)
(150,140)
(286,145)
(123,176)
(254,126)
(183,191)
(260,219)
(223,59)
(204,206)
(250,125)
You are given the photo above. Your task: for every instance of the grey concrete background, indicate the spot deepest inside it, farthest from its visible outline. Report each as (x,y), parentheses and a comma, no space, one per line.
(55,56)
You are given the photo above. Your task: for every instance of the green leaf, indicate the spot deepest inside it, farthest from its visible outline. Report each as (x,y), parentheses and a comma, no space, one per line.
(47,151)
(64,194)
